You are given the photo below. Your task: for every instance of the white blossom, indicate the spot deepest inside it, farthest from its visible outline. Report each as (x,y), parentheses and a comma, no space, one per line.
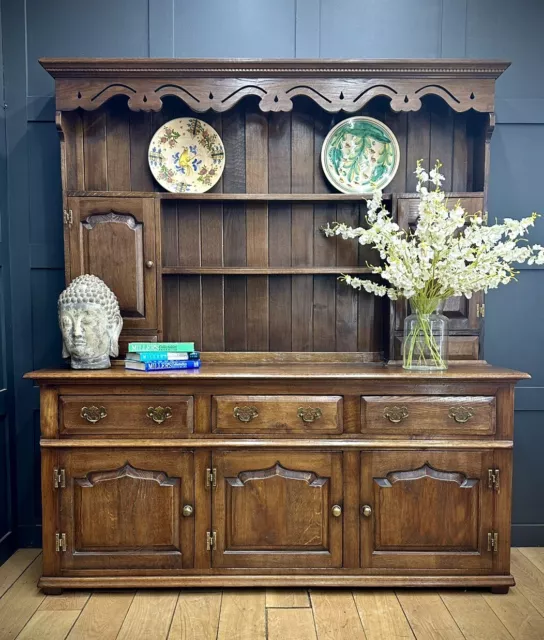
(450,253)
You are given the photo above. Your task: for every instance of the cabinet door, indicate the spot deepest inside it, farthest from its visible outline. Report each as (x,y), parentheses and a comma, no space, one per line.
(274,509)
(463,314)
(122,509)
(428,510)
(114,239)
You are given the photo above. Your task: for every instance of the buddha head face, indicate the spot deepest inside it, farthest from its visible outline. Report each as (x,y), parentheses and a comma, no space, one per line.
(90,323)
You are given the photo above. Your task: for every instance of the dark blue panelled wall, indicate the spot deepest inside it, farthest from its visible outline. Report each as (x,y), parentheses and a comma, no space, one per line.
(31,253)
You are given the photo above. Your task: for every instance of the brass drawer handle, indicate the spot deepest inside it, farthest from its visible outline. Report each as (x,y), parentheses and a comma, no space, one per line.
(366,510)
(461,414)
(395,414)
(245,414)
(188,510)
(159,414)
(336,511)
(309,414)
(93,414)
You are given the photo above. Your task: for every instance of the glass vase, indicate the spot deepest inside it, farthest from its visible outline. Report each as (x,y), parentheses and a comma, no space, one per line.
(425,343)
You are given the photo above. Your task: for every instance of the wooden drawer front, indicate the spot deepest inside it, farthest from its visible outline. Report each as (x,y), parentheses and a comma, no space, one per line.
(277,414)
(122,416)
(428,415)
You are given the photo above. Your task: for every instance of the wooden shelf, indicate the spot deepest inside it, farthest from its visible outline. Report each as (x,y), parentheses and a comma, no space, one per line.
(223,197)
(263,271)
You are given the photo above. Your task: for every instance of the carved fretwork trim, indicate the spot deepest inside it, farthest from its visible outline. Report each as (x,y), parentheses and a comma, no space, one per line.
(128,471)
(426,471)
(243,477)
(276,93)
(100,218)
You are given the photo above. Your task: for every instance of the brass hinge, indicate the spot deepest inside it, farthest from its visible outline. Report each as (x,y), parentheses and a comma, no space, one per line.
(211,478)
(493,541)
(59,478)
(494,476)
(68,217)
(211,540)
(60,541)
(480,310)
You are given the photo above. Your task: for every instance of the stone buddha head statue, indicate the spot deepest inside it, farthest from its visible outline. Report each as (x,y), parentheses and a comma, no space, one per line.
(90,323)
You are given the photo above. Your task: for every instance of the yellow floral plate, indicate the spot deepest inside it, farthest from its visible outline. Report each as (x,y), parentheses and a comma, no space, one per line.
(186,155)
(360,154)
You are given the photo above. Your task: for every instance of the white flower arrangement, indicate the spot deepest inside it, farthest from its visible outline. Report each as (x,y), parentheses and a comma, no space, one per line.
(450,253)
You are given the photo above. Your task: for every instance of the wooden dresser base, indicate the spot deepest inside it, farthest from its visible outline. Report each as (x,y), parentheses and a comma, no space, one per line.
(288,476)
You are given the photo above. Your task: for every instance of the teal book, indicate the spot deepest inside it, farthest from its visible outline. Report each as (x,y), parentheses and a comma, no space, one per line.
(172,347)
(165,365)
(162,356)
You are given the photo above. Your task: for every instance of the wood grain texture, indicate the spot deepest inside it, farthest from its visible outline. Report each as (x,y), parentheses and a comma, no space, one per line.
(517,614)
(67,601)
(529,579)
(428,616)
(535,555)
(474,617)
(290,624)
(382,616)
(336,616)
(49,625)
(242,615)
(102,616)
(149,616)
(15,566)
(196,616)
(20,602)
(287,598)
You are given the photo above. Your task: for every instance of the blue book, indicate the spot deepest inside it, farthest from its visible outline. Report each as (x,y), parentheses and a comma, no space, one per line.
(162,356)
(161,365)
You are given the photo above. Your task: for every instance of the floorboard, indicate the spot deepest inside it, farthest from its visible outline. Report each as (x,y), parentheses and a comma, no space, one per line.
(272,614)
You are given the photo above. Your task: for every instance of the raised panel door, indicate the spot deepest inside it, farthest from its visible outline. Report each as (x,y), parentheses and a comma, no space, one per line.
(123,509)
(275,509)
(114,239)
(426,510)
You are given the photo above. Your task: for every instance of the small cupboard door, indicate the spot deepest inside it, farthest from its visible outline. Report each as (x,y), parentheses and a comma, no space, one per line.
(277,509)
(123,509)
(426,510)
(114,239)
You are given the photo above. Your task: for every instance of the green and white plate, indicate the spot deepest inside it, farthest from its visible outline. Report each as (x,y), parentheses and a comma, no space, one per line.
(186,155)
(359,155)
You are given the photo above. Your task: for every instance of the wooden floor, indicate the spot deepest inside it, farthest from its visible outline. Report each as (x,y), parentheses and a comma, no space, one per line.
(26,614)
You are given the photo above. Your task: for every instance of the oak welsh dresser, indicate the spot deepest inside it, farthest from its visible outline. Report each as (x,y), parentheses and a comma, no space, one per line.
(296,455)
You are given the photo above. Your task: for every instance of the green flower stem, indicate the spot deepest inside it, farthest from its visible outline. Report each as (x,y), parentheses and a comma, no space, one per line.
(421,343)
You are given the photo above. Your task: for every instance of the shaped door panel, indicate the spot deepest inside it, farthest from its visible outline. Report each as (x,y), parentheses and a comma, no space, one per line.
(122,509)
(273,509)
(429,510)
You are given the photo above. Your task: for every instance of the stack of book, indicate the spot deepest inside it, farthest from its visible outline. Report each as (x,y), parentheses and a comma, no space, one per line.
(158,356)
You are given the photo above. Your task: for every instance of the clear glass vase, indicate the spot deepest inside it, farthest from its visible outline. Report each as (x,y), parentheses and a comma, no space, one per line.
(425,343)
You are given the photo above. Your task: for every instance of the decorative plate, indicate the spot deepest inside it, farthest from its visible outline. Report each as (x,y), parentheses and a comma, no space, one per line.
(186,155)
(360,154)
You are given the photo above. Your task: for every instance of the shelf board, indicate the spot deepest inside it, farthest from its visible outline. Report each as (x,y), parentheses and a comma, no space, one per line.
(263,271)
(224,197)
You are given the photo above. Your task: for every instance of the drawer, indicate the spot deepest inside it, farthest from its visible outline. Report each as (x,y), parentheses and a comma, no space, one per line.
(277,414)
(122,416)
(428,415)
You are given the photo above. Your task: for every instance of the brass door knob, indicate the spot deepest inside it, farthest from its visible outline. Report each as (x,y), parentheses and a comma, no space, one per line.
(149,264)
(366,510)
(337,511)
(188,510)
